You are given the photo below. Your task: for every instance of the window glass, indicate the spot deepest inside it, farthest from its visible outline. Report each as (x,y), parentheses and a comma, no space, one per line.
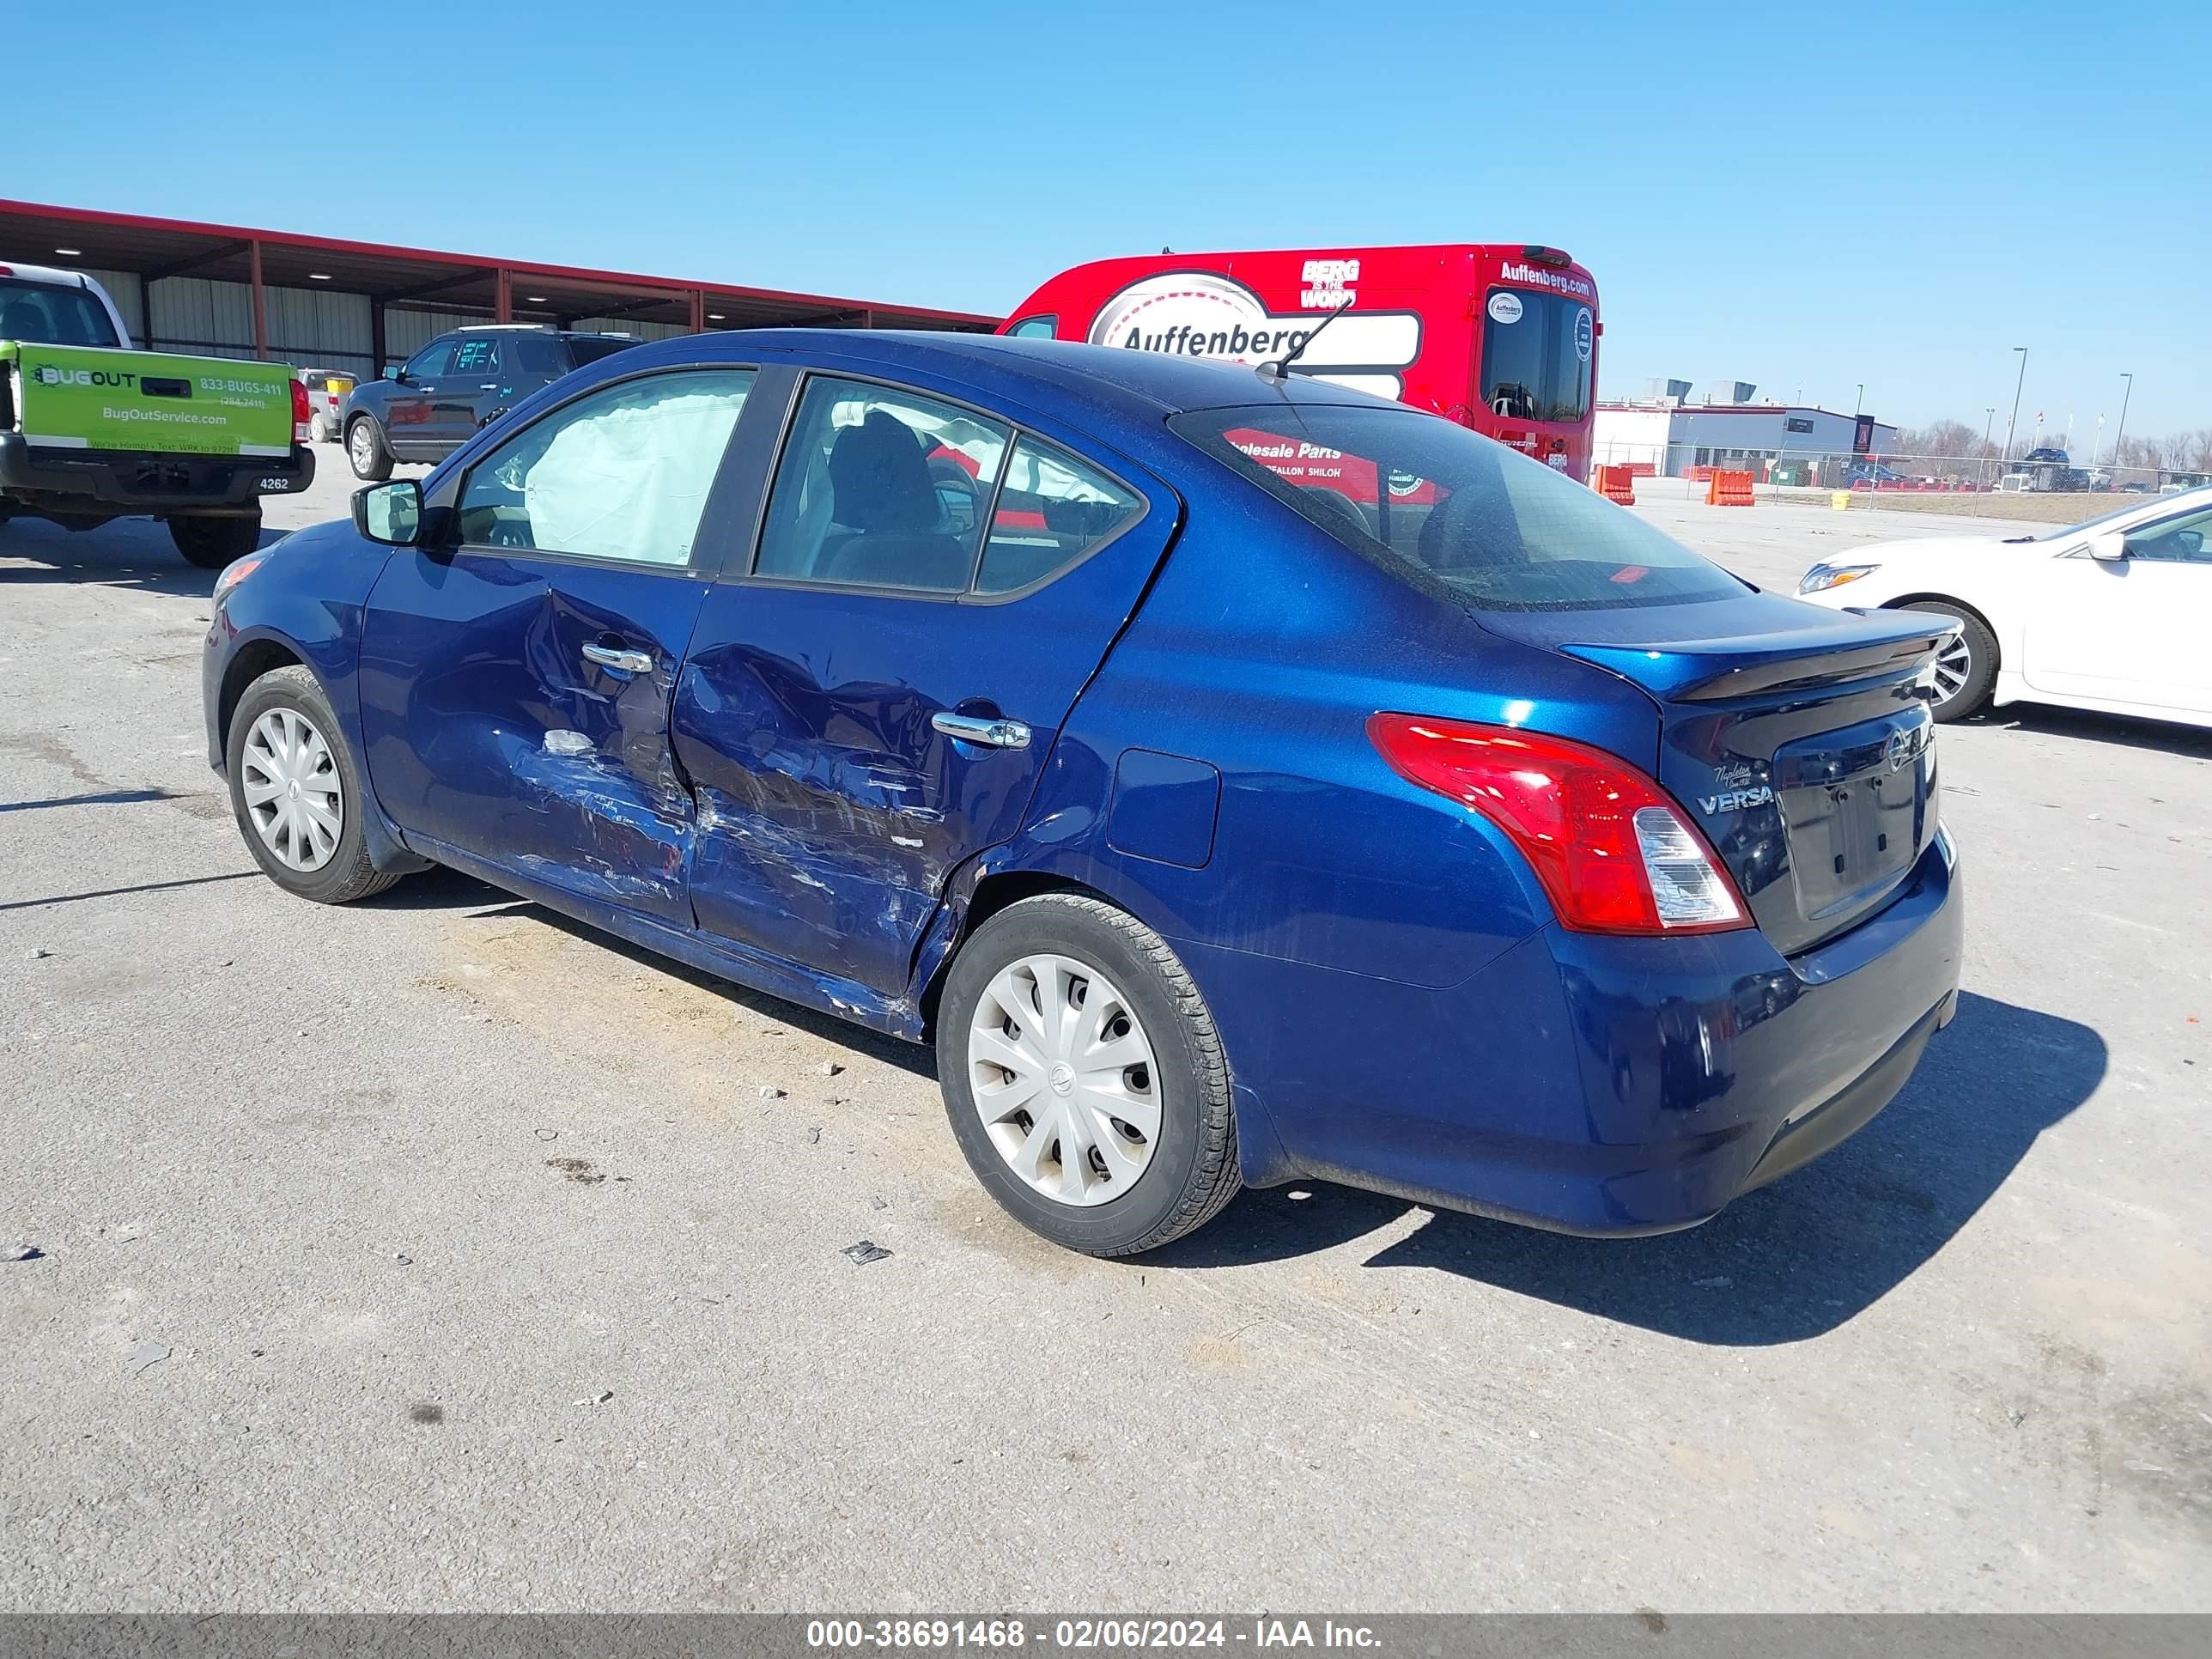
(880,488)
(430,361)
(540,353)
(1537,355)
(476,353)
(46,313)
(1034,328)
(590,348)
(1436,500)
(623,474)
(1052,510)
(2184,539)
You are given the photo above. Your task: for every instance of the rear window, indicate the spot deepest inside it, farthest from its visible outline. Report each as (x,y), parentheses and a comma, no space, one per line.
(46,313)
(1536,353)
(1444,506)
(585,351)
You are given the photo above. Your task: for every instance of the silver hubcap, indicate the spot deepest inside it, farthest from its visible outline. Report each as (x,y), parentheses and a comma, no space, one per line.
(1063,1079)
(363,444)
(1951,668)
(290,783)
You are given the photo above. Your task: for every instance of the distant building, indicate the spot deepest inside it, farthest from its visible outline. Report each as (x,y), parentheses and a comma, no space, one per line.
(1772,440)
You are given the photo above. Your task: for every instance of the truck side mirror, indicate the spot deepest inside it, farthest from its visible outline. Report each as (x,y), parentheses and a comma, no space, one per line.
(390,512)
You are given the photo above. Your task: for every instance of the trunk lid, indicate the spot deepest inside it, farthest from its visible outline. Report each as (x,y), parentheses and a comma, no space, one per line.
(1800,746)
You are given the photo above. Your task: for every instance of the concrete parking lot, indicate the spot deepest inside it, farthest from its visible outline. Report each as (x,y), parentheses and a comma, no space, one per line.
(437,1253)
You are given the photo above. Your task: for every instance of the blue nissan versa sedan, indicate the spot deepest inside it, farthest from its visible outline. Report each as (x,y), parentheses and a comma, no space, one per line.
(1237,778)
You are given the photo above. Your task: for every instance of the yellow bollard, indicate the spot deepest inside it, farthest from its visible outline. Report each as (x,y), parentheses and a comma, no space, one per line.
(1839,499)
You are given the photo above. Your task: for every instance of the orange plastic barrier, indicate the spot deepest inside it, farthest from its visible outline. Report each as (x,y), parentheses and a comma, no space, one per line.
(1616,483)
(1729,489)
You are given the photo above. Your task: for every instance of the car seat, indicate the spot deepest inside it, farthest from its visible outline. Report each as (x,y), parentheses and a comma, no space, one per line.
(888,504)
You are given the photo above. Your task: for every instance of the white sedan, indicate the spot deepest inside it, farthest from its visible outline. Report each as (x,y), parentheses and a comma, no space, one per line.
(2113,614)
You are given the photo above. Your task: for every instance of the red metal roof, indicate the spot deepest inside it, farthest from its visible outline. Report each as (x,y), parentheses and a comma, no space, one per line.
(35,232)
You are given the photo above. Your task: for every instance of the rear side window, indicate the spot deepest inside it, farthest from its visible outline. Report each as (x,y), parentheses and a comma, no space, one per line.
(880,488)
(1052,510)
(540,354)
(476,355)
(621,475)
(587,349)
(1445,506)
(47,313)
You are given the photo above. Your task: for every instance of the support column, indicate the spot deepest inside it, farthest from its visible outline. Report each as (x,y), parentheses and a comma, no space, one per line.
(260,303)
(698,310)
(376,337)
(503,301)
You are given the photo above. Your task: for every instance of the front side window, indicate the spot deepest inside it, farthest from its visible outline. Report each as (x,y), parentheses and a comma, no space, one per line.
(1036,328)
(880,488)
(621,475)
(2182,540)
(47,313)
(1053,510)
(1536,353)
(430,361)
(1428,498)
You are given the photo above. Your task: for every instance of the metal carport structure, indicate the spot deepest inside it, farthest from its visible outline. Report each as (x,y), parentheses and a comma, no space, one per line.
(230,290)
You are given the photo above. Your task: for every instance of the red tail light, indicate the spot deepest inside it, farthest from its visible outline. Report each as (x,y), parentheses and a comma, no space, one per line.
(1613,854)
(300,409)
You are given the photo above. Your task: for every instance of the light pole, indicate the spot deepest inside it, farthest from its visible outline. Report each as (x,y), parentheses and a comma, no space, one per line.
(1989,421)
(2126,392)
(1858,401)
(2014,421)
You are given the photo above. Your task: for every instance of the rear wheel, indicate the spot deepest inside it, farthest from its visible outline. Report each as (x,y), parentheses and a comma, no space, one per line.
(296,793)
(1084,1077)
(211,543)
(370,456)
(1965,669)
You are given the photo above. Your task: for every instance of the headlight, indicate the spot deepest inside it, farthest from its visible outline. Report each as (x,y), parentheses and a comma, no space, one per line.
(236,572)
(1822,577)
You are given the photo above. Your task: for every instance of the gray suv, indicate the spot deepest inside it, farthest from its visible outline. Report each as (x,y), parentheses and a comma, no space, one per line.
(428,407)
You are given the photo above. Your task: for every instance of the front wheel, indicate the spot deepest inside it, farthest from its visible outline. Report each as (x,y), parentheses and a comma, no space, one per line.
(1084,1077)
(211,543)
(1965,670)
(296,792)
(370,456)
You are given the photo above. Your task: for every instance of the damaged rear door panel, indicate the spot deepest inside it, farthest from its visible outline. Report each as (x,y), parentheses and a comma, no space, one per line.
(812,719)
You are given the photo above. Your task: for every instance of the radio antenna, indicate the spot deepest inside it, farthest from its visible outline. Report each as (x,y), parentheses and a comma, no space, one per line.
(1280,371)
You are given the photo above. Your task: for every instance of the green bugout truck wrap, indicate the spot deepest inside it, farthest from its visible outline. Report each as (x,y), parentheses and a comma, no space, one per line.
(87,397)
(91,430)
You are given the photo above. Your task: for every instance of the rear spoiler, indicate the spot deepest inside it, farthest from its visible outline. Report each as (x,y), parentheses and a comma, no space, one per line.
(1861,646)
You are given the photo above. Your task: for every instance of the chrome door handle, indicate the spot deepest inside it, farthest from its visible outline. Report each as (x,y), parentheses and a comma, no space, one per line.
(992,734)
(610,656)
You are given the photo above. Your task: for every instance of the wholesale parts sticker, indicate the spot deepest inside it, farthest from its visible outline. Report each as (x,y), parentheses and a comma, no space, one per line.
(87,397)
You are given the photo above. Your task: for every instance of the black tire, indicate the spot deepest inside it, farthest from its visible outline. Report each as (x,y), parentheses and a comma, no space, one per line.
(1972,694)
(211,543)
(366,452)
(1193,1169)
(348,874)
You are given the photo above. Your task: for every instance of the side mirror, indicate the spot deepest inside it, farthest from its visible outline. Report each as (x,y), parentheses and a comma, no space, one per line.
(394,372)
(2108,547)
(390,512)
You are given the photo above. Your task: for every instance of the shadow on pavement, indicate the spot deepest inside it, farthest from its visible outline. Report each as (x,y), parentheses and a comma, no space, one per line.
(2120,729)
(134,553)
(449,889)
(99,798)
(1785,1263)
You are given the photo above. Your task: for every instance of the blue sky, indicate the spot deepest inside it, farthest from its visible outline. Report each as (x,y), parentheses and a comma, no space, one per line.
(1797,197)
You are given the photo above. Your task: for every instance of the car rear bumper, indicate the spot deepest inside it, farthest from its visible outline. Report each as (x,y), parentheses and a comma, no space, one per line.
(1599,1085)
(113,482)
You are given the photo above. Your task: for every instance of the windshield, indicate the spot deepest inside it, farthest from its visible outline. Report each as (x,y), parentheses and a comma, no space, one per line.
(47,313)
(1499,530)
(1535,362)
